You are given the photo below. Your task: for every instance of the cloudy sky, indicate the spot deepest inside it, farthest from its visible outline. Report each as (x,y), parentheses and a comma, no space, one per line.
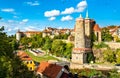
(38,14)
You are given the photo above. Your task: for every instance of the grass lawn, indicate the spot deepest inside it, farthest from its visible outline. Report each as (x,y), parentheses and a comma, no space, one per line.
(40,58)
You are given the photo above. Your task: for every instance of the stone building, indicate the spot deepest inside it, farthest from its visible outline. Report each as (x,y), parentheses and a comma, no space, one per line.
(20,34)
(82,43)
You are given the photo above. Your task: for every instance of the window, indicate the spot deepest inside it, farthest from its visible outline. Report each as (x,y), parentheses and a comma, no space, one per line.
(76,57)
(30,68)
(27,62)
(30,62)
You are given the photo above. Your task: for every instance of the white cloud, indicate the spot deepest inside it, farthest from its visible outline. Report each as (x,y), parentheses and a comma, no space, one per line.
(9,30)
(24,21)
(8,10)
(68,11)
(10,21)
(35,3)
(66,18)
(52,13)
(59,27)
(52,18)
(16,28)
(31,28)
(81,6)
(15,17)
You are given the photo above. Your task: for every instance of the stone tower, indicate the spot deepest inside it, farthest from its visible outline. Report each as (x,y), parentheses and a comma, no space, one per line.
(82,40)
(18,35)
(88,29)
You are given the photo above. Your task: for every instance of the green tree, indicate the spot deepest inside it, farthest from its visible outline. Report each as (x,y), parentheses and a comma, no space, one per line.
(58,47)
(48,44)
(118,55)
(10,64)
(68,50)
(61,36)
(15,45)
(25,42)
(106,36)
(109,55)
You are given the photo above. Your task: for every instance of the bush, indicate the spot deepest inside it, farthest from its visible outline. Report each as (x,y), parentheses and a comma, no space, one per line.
(100,45)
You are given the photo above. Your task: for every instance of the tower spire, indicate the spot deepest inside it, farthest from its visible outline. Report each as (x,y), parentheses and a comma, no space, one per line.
(87,15)
(80,15)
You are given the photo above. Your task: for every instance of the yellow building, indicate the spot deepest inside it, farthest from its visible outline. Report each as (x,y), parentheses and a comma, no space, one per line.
(27,60)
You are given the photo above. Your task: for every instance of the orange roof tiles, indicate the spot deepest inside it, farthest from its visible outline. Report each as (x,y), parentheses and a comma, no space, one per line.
(42,66)
(49,70)
(26,59)
(96,27)
(32,32)
(24,56)
(113,29)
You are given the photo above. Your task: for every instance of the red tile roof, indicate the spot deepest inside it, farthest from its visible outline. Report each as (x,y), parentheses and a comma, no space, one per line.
(96,27)
(49,70)
(24,56)
(37,32)
(113,30)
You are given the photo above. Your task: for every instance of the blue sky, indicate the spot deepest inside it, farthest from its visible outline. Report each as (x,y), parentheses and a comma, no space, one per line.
(37,14)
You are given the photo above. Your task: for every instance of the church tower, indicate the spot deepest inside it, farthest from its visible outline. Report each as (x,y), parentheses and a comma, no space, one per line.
(79,54)
(82,44)
(88,31)
(18,35)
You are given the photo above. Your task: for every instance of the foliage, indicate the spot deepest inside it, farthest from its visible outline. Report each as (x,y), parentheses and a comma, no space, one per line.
(92,73)
(90,57)
(88,73)
(118,56)
(15,45)
(25,42)
(61,36)
(100,45)
(93,37)
(114,74)
(52,46)
(48,44)
(68,50)
(58,47)
(109,55)
(10,65)
(106,36)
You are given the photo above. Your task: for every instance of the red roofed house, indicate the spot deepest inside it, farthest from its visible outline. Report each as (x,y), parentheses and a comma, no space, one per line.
(97,32)
(47,70)
(27,60)
(115,32)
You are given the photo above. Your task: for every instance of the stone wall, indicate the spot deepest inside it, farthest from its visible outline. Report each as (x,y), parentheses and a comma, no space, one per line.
(113,45)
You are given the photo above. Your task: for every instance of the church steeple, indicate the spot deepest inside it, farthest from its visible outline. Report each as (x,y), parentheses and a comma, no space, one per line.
(80,15)
(87,15)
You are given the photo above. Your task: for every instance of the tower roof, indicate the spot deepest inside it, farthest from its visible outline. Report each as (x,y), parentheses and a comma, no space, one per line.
(80,16)
(96,27)
(87,15)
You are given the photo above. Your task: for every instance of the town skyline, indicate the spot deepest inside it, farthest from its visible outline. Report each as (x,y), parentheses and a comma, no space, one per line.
(36,15)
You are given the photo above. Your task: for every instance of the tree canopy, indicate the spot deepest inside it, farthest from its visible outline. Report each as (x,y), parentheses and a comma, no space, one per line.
(10,65)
